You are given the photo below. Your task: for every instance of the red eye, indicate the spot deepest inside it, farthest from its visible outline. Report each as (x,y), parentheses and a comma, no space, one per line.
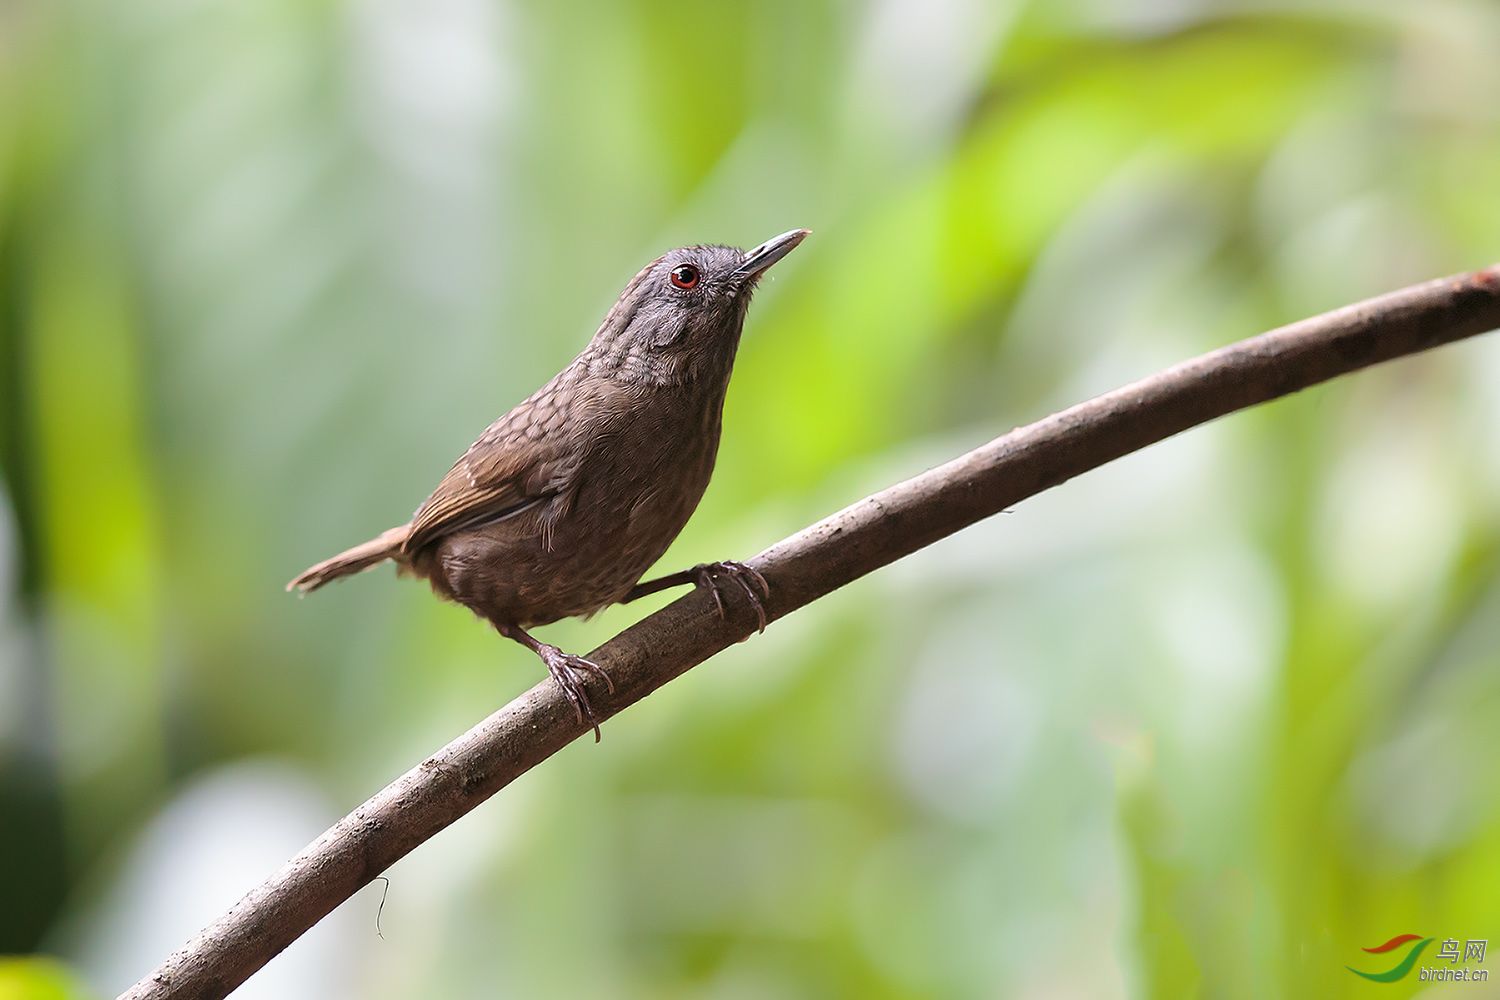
(685,276)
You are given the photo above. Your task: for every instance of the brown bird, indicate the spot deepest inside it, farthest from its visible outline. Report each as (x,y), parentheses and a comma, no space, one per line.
(563,503)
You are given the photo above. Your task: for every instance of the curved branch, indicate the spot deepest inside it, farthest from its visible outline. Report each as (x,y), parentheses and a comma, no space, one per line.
(863,537)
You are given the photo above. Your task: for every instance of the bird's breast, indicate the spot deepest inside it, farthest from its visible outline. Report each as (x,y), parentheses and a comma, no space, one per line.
(644,481)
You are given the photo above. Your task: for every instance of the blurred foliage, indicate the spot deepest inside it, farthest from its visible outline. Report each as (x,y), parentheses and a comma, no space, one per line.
(1206,722)
(37,979)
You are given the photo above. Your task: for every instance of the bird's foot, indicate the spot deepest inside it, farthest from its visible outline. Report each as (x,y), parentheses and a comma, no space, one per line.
(569,673)
(712,576)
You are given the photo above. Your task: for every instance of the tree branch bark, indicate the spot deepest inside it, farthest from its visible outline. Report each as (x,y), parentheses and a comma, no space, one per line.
(816,561)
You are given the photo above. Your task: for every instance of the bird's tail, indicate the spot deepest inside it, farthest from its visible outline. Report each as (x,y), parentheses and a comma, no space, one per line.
(355,560)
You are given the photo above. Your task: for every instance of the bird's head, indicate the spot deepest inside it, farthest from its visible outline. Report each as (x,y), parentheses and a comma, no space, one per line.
(681,316)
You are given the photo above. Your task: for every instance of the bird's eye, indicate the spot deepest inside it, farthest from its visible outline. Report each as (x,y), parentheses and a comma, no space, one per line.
(685,276)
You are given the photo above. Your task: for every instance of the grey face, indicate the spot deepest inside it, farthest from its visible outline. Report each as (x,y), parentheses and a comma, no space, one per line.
(679,319)
(697,295)
(691,293)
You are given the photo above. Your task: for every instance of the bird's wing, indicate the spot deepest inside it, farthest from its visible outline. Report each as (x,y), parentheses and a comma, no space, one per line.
(530,455)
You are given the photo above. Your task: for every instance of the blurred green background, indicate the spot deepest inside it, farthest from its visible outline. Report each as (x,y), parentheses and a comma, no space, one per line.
(1203,723)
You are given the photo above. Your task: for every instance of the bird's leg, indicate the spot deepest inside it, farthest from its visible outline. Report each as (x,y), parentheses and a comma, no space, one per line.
(567,672)
(710,576)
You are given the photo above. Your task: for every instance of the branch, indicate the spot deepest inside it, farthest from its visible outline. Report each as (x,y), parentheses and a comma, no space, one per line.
(870,534)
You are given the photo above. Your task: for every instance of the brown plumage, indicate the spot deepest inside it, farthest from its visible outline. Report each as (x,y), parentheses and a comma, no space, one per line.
(563,503)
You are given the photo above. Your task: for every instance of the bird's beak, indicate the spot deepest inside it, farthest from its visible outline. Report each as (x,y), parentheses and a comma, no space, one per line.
(756,261)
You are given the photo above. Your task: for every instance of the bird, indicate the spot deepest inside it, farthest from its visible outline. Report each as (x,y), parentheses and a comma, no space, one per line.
(560,507)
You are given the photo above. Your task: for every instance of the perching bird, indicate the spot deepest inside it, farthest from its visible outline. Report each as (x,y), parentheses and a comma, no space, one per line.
(563,503)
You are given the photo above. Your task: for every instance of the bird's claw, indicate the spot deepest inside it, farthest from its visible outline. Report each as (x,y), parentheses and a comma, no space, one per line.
(568,673)
(709,576)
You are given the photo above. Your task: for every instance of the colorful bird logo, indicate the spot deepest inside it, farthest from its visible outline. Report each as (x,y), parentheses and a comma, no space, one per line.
(1402,967)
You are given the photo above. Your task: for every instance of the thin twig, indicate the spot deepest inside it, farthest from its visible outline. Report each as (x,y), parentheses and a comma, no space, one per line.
(857,540)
